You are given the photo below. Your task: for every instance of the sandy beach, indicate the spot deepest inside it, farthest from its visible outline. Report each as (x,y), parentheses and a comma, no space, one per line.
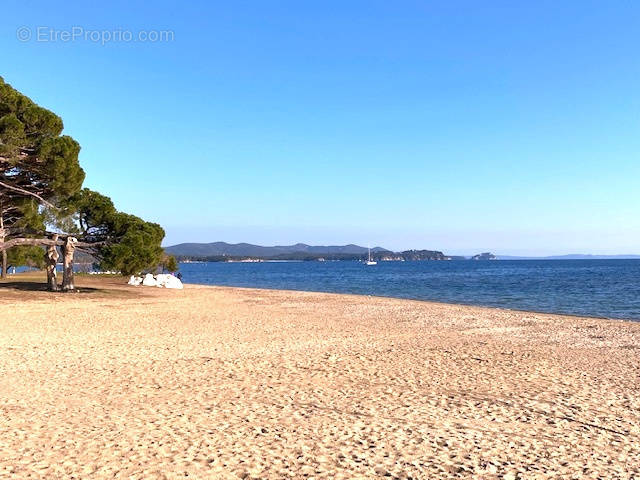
(126,382)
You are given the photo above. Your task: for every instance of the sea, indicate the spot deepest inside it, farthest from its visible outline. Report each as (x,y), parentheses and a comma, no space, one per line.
(596,288)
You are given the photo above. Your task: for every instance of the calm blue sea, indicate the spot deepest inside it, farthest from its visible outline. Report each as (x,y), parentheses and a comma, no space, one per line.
(600,288)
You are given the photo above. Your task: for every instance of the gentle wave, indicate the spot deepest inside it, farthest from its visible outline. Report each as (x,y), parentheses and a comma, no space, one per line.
(598,288)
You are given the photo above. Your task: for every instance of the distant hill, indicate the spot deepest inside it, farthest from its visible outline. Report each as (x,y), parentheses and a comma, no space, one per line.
(222,249)
(414,255)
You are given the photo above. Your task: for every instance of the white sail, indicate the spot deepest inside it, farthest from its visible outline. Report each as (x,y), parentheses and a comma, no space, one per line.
(371,262)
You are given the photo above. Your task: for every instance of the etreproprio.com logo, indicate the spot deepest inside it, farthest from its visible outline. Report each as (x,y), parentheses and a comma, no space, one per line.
(45,34)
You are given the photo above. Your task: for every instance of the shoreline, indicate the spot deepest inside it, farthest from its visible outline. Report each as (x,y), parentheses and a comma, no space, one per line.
(230,382)
(411,299)
(198,286)
(122,284)
(596,289)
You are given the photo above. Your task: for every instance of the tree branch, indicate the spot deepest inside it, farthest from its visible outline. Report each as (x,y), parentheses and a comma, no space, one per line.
(88,238)
(27,192)
(15,242)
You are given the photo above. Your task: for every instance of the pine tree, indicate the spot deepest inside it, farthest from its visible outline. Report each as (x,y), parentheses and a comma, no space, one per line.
(42,202)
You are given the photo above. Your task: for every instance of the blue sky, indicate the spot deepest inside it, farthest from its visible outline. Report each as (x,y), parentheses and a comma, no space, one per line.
(458,126)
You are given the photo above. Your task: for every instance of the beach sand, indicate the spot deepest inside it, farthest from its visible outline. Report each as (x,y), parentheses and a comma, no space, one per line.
(126,382)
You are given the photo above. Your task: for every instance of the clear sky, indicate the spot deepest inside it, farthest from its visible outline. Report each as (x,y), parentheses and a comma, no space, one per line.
(461,126)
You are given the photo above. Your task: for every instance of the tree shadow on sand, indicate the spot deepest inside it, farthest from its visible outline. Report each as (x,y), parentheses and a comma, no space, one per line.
(40,287)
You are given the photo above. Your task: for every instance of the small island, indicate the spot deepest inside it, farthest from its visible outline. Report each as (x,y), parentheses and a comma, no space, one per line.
(484,256)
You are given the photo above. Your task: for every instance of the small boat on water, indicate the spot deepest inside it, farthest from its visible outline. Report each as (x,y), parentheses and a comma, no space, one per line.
(369,261)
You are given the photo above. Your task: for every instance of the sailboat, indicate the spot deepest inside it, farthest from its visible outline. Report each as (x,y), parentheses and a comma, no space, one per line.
(371,262)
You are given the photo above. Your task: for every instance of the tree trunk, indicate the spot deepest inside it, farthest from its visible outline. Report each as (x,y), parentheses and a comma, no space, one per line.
(4,254)
(4,265)
(67,253)
(51,258)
